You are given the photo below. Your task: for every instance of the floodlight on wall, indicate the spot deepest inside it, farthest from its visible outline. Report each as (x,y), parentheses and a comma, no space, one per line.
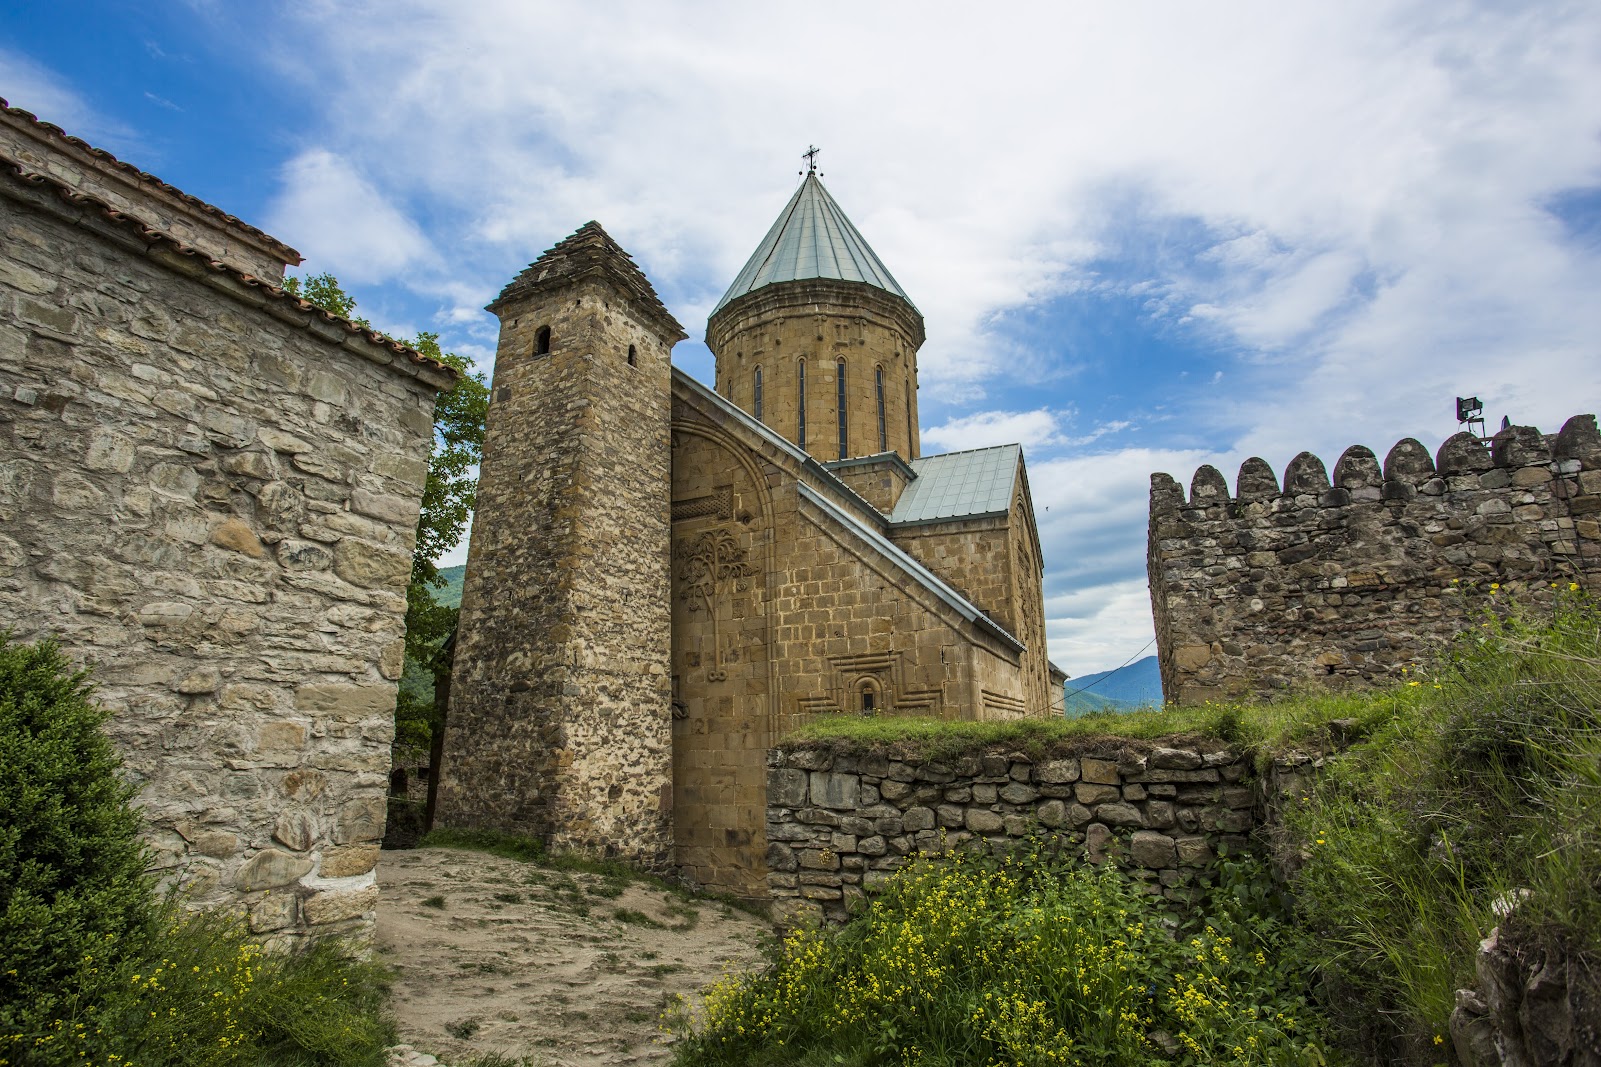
(1470,413)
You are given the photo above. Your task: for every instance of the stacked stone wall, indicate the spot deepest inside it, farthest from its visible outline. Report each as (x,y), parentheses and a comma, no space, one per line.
(209,494)
(560,705)
(1344,584)
(840,824)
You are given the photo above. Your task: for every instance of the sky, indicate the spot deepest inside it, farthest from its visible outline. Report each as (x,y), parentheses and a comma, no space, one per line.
(1144,236)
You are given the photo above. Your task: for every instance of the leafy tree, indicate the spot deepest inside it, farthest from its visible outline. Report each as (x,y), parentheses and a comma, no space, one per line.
(447,505)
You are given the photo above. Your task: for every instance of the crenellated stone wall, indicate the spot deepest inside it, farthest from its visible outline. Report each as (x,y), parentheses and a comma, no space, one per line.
(1346,583)
(839,824)
(209,494)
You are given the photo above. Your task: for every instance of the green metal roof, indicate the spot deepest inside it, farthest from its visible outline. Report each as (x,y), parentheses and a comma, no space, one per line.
(812,239)
(959,485)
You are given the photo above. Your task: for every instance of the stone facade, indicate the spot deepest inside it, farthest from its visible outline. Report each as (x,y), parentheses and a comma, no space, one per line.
(837,825)
(816,330)
(560,701)
(1345,584)
(661,584)
(209,494)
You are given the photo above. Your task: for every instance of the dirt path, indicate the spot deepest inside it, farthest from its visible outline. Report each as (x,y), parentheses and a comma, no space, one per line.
(561,969)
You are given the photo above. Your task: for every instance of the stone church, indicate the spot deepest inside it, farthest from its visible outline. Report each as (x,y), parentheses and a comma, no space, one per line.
(664,578)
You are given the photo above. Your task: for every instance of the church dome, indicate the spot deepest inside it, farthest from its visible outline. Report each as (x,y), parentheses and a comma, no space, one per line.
(812,239)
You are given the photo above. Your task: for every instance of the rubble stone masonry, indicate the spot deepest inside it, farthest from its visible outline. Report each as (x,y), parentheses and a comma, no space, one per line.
(837,825)
(1344,584)
(209,494)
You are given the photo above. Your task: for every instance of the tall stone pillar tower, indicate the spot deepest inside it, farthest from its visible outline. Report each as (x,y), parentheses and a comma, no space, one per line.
(817,340)
(560,722)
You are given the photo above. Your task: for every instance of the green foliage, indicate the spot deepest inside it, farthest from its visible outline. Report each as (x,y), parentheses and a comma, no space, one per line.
(1029,958)
(1486,787)
(494,842)
(94,968)
(72,871)
(324,291)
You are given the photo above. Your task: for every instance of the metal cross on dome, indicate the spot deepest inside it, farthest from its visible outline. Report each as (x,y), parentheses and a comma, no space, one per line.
(810,155)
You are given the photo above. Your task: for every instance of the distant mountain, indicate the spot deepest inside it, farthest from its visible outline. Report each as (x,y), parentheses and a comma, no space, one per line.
(448,591)
(1136,686)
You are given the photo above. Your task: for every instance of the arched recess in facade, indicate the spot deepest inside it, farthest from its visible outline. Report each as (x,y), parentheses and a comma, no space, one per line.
(725,703)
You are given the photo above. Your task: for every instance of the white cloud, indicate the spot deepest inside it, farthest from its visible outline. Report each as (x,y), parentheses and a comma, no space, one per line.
(341,222)
(1028,428)
(1341,201)
(34,87)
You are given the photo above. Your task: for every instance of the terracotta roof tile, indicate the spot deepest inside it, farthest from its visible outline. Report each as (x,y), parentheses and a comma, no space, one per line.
(154,237)
(289,254)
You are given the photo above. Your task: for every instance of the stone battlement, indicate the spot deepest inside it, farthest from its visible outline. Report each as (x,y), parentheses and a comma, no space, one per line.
(1343,582)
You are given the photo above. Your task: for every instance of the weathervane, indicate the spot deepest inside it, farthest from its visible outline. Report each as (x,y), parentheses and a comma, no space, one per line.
(810,156)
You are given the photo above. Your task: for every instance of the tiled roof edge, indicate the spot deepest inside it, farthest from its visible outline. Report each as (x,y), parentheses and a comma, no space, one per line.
(145,177)
(795,452)
(155,239)
(924,576)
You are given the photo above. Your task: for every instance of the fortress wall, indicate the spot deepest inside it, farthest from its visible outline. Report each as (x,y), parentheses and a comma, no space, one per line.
(839,824)
(209,494)
(1343,583)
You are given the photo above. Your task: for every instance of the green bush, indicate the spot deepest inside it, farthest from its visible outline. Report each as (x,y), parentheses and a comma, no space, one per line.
(73,889)
(94,967)
(1029,958)
(1483,791)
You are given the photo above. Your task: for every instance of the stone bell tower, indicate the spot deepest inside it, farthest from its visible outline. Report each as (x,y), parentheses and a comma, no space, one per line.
(560,722)
(817,340)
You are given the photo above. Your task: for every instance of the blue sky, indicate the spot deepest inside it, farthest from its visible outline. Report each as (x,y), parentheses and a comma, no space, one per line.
(1144,237)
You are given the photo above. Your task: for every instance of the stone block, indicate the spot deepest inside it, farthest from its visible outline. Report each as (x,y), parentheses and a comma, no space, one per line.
(786,787)
(984,822)
(1085,793)
(344,701)
(1097,842)
(1119,814)
(360,821)
(1174,759)
(892,790)
(347,861)
(1052,814)
(834,790)
(915,819)
(1018,793)
(269,869)
(336,905)
(1059,771)
(1099,771)
(274,911)
(816,859)
(950,816)
(1193,851)
(780,857)
(1153,850)
(295,830)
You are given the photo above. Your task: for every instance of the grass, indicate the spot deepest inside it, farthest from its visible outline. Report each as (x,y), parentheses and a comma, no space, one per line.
(435,901)
(1301,718)
(1486,790)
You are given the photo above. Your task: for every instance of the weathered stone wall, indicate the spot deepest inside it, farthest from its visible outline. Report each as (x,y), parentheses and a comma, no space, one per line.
(822,322)
(1345,584)
(839,824)
(209,494)
(560,703)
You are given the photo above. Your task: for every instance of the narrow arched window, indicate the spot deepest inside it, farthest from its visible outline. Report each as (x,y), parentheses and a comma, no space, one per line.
(800,430)
(844,438)
(542,341)
(631,357)
(909,437)
(757,396)
(868,697)
(878,385)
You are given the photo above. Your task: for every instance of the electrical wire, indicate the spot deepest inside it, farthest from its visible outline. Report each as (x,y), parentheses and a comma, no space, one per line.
(1084,689)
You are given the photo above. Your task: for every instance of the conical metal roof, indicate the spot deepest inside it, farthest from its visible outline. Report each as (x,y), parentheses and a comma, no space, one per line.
(812,239)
